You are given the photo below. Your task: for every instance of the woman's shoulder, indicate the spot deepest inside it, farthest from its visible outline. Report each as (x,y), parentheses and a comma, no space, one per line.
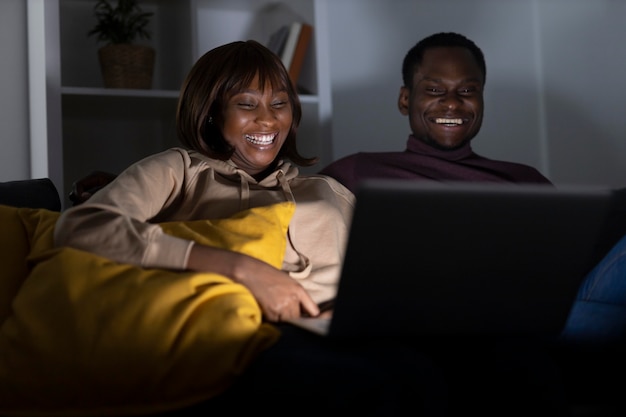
(178,158)
(167,156)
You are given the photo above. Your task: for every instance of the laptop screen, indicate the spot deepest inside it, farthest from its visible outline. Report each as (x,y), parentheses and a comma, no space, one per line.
(465,258)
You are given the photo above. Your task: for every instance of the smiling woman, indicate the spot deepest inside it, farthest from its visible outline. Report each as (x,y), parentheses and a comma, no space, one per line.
(238,115)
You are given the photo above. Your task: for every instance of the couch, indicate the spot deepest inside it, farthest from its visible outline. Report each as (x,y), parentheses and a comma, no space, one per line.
(594,384)
(115,339)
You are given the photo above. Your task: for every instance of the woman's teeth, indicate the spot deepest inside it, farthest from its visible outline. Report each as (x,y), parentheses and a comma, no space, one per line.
(261,139)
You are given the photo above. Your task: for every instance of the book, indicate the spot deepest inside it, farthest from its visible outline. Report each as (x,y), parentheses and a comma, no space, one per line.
(302,46)
(290,43)
(277,40)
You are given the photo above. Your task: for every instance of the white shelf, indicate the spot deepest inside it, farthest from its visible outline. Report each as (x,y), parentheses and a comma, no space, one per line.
(121,92)
(117,92)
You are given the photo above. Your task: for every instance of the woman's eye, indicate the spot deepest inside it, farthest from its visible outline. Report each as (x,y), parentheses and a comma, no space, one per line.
(279,104)
(246,105)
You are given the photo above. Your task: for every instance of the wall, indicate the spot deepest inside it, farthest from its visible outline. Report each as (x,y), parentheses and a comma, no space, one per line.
(14,157)
(554,84)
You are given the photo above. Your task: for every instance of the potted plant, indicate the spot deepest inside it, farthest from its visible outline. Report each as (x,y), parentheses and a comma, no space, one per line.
(124,64)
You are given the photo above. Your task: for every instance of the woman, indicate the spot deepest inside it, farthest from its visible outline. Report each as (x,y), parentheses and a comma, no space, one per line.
(237,116)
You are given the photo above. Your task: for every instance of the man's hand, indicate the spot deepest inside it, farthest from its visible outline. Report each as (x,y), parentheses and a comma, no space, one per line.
(85,187)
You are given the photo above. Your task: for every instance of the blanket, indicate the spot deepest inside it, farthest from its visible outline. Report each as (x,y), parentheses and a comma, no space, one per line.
(83,335)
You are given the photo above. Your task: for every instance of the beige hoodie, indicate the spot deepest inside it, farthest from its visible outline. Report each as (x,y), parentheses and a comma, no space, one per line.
(177,184)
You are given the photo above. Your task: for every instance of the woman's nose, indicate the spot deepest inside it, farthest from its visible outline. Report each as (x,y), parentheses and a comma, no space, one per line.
(265,115)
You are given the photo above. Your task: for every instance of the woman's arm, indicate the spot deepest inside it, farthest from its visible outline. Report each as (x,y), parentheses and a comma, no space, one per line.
(115,222)
(279,296)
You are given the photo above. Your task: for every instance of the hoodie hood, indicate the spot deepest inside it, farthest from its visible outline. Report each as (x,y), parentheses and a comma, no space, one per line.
(278,178)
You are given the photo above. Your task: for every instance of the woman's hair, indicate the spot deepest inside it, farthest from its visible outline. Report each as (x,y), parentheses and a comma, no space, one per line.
(217,76)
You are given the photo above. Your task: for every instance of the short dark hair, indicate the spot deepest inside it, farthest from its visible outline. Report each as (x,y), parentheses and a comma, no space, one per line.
(217,76)
(415,56)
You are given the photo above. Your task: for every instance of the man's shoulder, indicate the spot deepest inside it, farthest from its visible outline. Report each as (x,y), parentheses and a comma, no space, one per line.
(520,172)
(344,160)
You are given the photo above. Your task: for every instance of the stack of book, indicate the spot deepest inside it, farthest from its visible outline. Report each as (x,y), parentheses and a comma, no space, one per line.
(290,43)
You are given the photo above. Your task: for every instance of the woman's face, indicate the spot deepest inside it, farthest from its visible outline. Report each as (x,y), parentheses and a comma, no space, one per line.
(256,124)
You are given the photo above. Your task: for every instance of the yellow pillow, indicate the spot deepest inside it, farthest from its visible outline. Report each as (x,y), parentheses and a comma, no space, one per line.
(88,336)
(252,232)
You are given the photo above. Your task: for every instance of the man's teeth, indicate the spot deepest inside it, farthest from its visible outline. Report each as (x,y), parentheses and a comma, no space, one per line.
(441,120)
(260,139)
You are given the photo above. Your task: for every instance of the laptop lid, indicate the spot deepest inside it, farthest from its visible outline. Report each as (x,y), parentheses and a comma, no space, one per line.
(465,258)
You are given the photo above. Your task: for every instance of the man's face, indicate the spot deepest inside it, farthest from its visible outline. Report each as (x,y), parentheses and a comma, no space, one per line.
(445,104)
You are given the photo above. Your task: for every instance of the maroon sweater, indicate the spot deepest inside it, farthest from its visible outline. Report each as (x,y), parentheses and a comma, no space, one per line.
(422,162)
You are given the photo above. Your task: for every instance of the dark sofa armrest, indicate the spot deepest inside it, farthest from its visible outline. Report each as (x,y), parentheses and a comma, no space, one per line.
(33,193)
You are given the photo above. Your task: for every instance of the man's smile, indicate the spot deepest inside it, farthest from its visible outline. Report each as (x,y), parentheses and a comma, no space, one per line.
(449,122)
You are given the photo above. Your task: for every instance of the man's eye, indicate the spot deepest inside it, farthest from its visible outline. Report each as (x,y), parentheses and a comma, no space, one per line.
(467,91)
(435,91)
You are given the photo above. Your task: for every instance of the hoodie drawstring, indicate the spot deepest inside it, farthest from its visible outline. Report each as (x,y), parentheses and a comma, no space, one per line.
(304,263)
(244,202)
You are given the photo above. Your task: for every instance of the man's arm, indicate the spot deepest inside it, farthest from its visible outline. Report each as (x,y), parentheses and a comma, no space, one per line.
(85,187)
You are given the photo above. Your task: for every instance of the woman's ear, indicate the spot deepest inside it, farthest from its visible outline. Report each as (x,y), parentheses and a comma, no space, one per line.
(403,100)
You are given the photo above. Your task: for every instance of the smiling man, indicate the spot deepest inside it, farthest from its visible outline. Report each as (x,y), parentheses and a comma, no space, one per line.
(442,95)
(444,76)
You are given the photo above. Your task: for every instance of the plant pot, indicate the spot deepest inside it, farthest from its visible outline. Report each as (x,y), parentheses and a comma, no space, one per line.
(127,65)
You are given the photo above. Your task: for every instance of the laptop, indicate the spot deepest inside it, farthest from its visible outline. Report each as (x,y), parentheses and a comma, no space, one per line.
(429,258)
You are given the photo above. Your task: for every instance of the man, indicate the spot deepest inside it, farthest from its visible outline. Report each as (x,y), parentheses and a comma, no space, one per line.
(442,94)
(444,77)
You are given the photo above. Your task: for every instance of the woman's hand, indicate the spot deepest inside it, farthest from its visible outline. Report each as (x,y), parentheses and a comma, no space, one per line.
(279,296)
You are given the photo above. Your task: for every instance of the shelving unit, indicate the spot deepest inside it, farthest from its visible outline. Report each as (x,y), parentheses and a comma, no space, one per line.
(108,129)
